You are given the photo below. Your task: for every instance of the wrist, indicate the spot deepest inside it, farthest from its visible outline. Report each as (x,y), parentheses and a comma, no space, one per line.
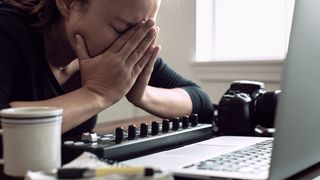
(142,101)
(100,101)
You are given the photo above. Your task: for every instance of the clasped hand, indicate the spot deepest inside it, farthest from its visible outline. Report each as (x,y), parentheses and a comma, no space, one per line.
(124,69)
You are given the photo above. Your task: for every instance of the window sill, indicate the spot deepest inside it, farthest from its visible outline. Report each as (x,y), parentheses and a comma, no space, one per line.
(268,71)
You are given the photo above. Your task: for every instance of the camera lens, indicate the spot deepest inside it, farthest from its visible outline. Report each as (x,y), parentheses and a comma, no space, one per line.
(265,108)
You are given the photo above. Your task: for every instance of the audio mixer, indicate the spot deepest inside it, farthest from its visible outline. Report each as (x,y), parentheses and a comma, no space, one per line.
(135,141)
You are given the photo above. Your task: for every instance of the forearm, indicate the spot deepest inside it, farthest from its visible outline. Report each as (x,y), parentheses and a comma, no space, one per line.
(166,103)
(78,106)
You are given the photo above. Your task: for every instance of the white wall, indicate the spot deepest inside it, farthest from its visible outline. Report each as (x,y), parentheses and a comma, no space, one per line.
(176,20)
(177,34)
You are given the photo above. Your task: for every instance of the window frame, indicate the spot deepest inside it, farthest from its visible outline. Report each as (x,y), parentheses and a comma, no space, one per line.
(266,70)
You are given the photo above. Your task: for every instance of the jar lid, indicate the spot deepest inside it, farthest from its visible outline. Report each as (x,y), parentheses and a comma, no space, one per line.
(26,115)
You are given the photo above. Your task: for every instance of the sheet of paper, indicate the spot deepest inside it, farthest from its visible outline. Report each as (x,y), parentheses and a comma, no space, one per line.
(89,160)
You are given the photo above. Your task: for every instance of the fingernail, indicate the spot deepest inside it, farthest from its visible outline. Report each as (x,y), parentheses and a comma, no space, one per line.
(77,38)
(154,31)
(159,48)
(150,23)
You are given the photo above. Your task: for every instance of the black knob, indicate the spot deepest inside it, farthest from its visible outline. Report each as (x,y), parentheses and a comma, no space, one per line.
(165,125)
(175,123)
(131,132)
(119,134)
(194,120)
(155,128)
(185,122)
(144,129)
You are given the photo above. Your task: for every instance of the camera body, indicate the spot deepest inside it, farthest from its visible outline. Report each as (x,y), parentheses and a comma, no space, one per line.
(244,106)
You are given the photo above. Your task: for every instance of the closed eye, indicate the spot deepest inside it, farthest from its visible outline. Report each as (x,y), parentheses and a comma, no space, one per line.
(121,31)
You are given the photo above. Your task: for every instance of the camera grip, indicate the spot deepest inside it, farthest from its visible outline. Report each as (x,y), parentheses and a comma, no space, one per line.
(235,115)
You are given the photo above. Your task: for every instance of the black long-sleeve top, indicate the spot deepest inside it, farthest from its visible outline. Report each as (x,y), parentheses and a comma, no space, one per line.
(26,76)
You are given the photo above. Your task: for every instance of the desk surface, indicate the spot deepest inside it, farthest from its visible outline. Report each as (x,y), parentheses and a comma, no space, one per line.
(309,173)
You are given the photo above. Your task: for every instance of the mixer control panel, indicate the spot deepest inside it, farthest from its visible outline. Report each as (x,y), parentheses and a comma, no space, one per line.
(133,141)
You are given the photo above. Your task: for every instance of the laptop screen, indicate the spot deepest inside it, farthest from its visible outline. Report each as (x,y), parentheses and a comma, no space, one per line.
(296,145)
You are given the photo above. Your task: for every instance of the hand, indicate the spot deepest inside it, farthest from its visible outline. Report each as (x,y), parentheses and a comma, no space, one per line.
(112,73)
(137,93)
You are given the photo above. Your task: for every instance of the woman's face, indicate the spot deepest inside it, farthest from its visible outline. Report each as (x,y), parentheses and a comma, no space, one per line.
(101,22)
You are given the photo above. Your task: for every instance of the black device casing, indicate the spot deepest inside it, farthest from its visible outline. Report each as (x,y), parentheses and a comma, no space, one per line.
(245,105)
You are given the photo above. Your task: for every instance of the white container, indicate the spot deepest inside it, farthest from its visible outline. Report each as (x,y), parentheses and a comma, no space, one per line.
(31,139)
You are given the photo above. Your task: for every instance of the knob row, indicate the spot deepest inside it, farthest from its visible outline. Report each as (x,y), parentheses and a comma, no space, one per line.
(186,121)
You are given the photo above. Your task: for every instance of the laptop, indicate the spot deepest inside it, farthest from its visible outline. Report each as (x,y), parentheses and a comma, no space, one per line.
(295,145)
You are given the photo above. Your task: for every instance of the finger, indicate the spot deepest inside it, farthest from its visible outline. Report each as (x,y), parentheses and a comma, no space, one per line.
(140,51)
(149,66)
(81,48)
(138,67)
(122,40)
(136,38)
(155,40)
(148,60)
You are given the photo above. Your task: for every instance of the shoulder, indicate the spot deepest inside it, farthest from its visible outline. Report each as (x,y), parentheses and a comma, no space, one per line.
(19,41)
(11,16)
(16,29)
(13,23)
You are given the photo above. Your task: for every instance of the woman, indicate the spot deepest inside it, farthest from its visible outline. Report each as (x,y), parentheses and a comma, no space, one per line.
(84,56)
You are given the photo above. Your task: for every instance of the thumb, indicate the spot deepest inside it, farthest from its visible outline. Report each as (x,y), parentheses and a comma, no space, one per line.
(81,48)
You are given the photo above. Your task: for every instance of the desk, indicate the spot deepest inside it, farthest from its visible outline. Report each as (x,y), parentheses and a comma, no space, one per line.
(309,173)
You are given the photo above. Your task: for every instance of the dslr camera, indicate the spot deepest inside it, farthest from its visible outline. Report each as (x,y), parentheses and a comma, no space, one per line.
(244,107)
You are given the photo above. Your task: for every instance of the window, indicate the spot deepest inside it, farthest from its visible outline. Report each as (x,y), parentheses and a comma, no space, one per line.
(243,29)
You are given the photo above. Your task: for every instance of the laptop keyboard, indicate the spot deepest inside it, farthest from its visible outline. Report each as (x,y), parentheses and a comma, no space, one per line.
(252,159)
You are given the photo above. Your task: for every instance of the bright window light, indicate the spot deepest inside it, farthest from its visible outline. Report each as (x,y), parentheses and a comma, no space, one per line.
(243,29)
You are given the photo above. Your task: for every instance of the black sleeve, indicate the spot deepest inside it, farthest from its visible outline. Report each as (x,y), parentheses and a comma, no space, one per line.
(8,59)
(165,77)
